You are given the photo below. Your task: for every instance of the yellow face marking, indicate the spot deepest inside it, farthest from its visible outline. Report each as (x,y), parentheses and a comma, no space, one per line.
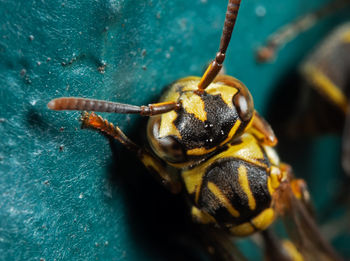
(226,92)
(199,151)
(189,79)
(194,104)
(264,219)
(292,251)
(242,230)
(244,183)
(223,199)
(202,216)
(326,87)
(191,83)
(232,131)
(167,126)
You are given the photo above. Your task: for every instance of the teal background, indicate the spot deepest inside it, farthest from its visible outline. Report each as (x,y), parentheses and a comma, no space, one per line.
(70,194)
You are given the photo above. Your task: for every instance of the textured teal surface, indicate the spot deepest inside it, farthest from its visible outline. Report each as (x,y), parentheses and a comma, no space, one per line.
(68,194)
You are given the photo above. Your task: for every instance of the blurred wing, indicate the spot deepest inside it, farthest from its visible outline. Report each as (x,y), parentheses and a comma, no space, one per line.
(302,228)
(219,244)
(346,144)
(279,250)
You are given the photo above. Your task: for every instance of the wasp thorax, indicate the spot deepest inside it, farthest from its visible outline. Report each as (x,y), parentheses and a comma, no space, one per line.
(204,121)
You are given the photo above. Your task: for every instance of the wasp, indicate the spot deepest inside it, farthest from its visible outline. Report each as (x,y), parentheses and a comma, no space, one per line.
(206,141)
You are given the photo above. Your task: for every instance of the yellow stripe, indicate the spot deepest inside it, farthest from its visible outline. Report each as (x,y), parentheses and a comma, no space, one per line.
(243,181)
(242,230)
(223,199)
(324,85)
(199,151)
(269,186)
(232,131)
(194,104)
(167,127)
(264,219)
(226,92)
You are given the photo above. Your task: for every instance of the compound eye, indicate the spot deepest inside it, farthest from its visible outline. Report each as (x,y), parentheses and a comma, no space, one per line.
(242,100)
(167,147)
(171,149)
(244,105)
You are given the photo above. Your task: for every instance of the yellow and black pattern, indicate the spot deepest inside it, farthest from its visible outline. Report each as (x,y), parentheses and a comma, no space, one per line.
(235,186)
(234,191)
(327,69)
(204,122)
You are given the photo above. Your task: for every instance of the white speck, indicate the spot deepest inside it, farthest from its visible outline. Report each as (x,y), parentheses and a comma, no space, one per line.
(81,195)
(204,1)
(242,103)
(260,11)
(33,102)
(37,152)
(167,55)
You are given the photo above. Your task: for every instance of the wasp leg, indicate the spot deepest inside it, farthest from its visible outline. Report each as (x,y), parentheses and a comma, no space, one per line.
(291,201)
(263,131)
(290,31)
(201,217)
(155,166)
